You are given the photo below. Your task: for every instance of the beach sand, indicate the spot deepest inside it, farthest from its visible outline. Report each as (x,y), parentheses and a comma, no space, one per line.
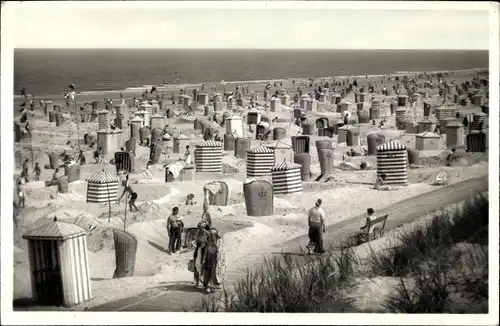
(348,194)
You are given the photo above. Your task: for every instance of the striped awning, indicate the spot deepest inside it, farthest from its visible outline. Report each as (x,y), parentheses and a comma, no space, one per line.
(260,150)
(210,143)
(285,166)
(55,230)
(427,134)
(393,145)
(103,177)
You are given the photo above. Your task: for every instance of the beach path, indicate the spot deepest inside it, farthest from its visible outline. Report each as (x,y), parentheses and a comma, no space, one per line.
(183,297)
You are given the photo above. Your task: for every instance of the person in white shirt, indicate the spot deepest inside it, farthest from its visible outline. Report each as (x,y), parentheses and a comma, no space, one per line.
(20,194)
(370,217)
(316,221)
(360,235)
(187,156)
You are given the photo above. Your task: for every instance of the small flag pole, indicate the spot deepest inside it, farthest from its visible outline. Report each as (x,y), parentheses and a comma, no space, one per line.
(76,116)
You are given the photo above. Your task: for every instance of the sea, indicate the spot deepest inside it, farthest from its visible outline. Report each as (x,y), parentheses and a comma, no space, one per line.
(50,71)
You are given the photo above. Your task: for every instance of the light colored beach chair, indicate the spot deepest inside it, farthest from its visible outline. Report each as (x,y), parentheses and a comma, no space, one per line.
(364,236)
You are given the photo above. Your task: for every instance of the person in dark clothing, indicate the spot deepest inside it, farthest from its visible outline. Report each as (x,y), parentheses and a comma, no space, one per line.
(131,199)
(24,172)
(37,171)
(81,158)
(199,252)
(449,158)
(174,229)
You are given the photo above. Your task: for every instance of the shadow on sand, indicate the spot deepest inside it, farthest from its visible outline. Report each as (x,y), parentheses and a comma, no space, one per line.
(157,246)
(181,287)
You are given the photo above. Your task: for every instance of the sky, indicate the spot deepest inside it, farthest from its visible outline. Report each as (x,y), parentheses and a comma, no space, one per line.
(64,25)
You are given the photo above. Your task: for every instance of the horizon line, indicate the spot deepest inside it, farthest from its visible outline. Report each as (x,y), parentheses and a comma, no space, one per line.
(260,49)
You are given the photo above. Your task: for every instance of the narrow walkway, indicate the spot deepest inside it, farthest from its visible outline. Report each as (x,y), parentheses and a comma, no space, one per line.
(182,296)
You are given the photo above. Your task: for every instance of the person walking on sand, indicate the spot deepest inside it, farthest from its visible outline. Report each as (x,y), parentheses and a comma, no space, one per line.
(24,171)
(81,158)
(206,217)
(201,240)
(214,264)
(174,229)
(20,194)
(132,198)
(37,171)
(316,221)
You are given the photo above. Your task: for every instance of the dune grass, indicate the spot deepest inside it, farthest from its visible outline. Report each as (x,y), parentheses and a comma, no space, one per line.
(425,255)
(291,284)
(429,256)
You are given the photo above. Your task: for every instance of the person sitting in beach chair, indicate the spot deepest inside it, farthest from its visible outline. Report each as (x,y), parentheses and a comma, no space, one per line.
(364,234)
(381,185)
(441,178)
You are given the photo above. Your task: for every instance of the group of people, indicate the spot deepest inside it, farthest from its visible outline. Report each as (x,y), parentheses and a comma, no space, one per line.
(208,264)
(316,222)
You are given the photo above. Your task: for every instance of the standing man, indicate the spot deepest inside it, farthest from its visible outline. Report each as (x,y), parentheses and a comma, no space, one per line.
(174,229)
(316,221)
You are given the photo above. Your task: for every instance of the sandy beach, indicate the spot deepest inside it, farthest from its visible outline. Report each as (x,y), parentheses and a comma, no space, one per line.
(349,191)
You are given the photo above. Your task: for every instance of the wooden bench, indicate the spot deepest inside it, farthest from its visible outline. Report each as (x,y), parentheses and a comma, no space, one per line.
(363,236)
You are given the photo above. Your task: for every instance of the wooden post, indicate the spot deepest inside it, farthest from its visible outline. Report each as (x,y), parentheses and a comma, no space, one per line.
(109,204)
(78,130)
(125,220)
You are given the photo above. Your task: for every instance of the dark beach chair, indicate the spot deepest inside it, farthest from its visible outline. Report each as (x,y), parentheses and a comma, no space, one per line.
(364,236)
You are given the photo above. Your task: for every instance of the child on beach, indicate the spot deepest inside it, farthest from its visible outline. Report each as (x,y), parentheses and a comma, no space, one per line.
(81,158)
(24,172)
(187,155)
(37,171)
(20,194)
